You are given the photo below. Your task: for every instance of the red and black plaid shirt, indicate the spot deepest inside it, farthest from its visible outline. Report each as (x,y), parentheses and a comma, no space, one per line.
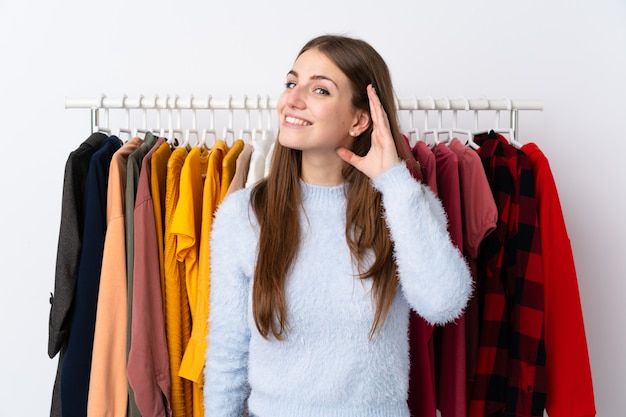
(510,378)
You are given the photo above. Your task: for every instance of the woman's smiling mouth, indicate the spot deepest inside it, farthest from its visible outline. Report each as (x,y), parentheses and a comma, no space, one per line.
(296,121)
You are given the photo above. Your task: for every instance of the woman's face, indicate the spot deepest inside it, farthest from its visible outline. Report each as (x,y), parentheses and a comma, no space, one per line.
(315,110)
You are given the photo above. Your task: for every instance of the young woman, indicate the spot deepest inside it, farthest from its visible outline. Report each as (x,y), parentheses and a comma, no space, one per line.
(314,269)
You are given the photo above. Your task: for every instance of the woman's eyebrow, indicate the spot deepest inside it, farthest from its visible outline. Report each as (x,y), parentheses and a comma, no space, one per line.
(314,77)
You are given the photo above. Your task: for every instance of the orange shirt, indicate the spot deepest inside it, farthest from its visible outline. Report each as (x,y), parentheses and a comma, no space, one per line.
(108,386)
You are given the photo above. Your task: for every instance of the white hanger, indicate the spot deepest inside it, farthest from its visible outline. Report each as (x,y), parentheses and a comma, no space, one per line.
(476,132)
(428,131)
(144,117)
(105,128)
(247,132)
(510,131)
(210,130)
(263,136)
(270,132)
(193,130)
(125,129)
(229,130)
(457,130)
(159,126)
(440,130)
(172,130)
(256,134)
(412,129)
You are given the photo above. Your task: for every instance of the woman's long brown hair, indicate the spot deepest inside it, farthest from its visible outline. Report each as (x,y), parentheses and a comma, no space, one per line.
(276,200)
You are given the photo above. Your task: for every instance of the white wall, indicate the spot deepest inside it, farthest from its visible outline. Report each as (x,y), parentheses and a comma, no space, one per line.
(572,55)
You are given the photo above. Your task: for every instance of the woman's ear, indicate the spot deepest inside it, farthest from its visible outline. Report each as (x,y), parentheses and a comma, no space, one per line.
(361,122)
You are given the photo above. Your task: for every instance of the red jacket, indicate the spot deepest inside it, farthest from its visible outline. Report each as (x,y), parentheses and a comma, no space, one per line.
(569,384)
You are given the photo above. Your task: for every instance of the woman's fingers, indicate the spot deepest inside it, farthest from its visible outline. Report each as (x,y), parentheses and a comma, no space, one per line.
(382,154)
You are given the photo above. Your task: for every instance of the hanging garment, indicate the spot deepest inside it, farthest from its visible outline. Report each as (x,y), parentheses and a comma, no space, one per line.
(77,362)
(241,169)
(260,149)
(188,216)
(268,159)
(148,361)
(426,158)
(195,353)
(70,236)
(510,376)
(68,254)
(479,210)
(132,179)
(422,400)
(186,224)
(449,191)
(177,312)
(158,182)
(449,340)
(569,382)
(421,395)
(229,165)
(480,216)
(108,386)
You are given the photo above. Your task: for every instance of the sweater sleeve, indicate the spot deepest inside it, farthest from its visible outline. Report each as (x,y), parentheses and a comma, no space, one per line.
(226,386)
(433,274)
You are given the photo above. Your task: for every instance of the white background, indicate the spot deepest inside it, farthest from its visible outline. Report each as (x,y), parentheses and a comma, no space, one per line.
(571,55)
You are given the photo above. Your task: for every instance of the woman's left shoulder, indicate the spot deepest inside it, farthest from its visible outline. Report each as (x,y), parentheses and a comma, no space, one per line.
(235,212)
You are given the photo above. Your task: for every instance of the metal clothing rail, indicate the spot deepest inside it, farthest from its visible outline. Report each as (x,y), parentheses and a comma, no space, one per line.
(260,103)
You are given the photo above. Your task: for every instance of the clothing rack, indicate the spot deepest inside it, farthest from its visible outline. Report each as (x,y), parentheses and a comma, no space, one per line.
(101,105)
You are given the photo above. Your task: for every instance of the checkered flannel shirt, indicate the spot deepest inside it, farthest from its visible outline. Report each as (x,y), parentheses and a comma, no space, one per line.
(510,379)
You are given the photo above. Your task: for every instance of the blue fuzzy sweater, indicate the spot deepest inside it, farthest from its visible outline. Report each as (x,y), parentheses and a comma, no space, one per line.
(327,366)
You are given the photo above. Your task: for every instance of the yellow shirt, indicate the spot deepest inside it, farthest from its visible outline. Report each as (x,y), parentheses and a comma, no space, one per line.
(186,225)
(188,217)
(195,354)
(177,314)
(229,166)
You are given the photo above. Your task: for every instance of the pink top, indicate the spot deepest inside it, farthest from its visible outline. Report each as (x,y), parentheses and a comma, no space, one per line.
(480,215)
(148,361)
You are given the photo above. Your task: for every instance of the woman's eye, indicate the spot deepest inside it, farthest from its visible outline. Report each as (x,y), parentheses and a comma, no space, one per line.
(290,84)
(322,91)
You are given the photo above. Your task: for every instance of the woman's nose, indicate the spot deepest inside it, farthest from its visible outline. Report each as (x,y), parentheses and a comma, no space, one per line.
(294,98)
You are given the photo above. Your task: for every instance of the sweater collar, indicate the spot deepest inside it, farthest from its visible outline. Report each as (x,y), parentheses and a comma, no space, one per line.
(313,193)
